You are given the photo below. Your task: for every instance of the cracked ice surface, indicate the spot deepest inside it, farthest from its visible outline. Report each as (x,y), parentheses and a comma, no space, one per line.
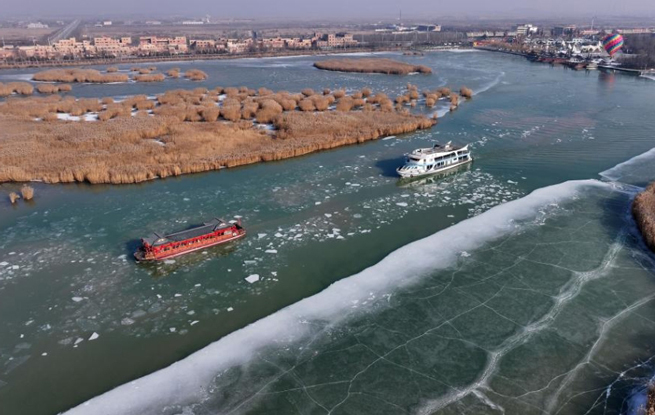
(516,326)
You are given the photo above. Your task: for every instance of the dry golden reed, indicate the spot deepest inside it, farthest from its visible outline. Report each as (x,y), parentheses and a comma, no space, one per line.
(78,75)
(195,75)
(27,192)
(187,132)
(13,197)
(371,65)
(643,210)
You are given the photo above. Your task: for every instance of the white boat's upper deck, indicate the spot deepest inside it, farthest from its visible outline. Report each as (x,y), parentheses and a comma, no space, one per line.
(437,150)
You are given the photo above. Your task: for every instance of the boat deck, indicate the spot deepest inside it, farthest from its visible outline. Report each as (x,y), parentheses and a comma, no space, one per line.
(437,149)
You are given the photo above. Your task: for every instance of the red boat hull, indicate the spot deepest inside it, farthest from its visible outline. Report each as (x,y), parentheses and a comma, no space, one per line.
(147,253)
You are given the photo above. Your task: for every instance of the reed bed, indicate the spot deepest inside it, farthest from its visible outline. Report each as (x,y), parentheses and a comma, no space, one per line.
(191,131)
(466,92)
(371,65)
(158,77)
(78,76)
(27,192)
(13,197)
(173,73)
(112,69)
(195,75)
(643,210)
(18,88)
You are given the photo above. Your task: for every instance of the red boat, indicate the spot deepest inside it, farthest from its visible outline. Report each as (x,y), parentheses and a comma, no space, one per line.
(157,247)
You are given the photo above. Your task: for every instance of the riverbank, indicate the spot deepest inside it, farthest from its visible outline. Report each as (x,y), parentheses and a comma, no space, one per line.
(186,58)
(643,210)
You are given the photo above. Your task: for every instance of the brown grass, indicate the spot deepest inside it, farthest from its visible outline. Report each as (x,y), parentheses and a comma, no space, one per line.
(195,75)
(643,210)
(173,73)
(47,89)
(371,65)
(345,104)
(121,148)
(112,69)
(306,105)
(157,77)
(19,88)
(78,75)
(27,192)
(466,92)
(13,197)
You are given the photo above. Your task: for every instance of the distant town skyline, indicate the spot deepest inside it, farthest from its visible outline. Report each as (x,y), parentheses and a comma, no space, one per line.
(343,9)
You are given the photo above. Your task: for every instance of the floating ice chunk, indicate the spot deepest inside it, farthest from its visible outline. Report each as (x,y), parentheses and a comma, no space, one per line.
(404,195)
(4,264)
(94,336)
(261,235)
(198,285)
(451,216)
(238,216)
(169,261)
(178,295)
(191,312)
(230,309)
(465,254)
(194,322)
(123,257)
(511,182)
(127,321)
(403,204)
(78,341)
(278,235)
(44,354)
(271,251)
(172,329)
(328,215)
(186,199)
(14,267)
(274,273)
(317,203)
(252,278)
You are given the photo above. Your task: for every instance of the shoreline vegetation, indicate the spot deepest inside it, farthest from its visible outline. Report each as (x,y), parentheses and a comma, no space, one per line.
(77,75)
(643,210)
(57,139)
(199,57)
(372,65)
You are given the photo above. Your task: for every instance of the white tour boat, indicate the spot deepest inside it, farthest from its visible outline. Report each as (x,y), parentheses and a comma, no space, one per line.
(424,161)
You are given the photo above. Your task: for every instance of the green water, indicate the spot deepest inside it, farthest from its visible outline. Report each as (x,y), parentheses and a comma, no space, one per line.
(542,318)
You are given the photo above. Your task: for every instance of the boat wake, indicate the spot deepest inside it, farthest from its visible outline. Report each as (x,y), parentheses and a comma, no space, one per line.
(191,380)
(490,85)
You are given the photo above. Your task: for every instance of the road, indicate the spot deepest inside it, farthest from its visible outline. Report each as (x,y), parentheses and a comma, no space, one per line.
(65,32)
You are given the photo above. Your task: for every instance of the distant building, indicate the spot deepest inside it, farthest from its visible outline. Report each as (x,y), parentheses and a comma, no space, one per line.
(635,31)
(106,23)
(526,29)
(427,28)
(156,44)
(338,40)
(193,22)
(153,22)
(37,25)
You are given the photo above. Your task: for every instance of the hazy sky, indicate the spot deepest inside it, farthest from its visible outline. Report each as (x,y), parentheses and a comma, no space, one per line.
(344,9)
